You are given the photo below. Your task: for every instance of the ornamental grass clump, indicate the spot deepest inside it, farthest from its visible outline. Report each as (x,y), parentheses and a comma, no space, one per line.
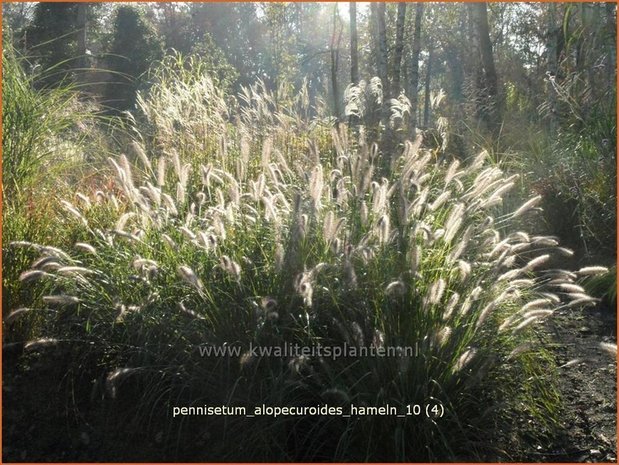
(275,243)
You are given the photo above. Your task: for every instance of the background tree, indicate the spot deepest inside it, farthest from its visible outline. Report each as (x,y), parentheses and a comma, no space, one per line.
(354,47)
(490,108)
(134,48)
(399,48)
(416,50)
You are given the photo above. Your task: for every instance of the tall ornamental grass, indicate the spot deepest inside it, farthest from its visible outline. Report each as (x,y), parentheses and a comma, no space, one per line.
(271,241)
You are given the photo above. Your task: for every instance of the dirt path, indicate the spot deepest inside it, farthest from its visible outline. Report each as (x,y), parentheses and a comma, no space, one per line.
(588,385)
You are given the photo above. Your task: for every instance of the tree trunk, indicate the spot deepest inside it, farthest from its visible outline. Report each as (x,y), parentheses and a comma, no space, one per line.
(399,47)
(551,72)
(414,94)
(491,112)
(336,39)
(354,48)
(82,24)
(383,54)
(426,106)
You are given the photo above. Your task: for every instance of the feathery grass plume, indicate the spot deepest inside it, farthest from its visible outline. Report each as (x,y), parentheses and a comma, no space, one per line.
(364,213)
(592,270)
(451,172)
(461,246)
(41,343)
(316,185)
(574,361)
(484,314)
(176,162)
(522,283)
(520,349)
(521,236)
(570,287)
(328,226)
(464,269)
(141,154)
(451,305)
(125,310)
(61,300)
(32,275)
(20,312)
(440,200)
(114,377)
(219,228)
(465,359)
(378,339)
(582,301)
(537,303)
(84,247)
(383,229)
(466,305)
(74,211)
(141,263)
(74,270)
(304,287)
(525,323)
(279,257)
(50,265)
(564,251)
(126,235)
(169,204)
(188,275)
(122,221)
(350,276)
(540,312)
(544,241)
(395,288)
(573,296)
(505,187)
(609,348)
(161,171)
(454,221)
(414,258)
(555,298)
(84,199)
(169,241)
(536,262)
(189,312)
(26,244)
(268,304)
(527,206)
(442,337)
(231,267)
(435,291)
(187,233)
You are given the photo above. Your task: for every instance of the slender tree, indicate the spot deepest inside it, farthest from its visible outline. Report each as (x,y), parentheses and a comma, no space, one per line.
(82,36)
(399,48)
(354,47)
(414,85)
(134,48)
(426,106)
(490,111)
(52,40)
(336,39)
(382,55)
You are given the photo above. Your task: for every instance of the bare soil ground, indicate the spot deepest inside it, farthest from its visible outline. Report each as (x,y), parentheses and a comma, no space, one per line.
(588,387)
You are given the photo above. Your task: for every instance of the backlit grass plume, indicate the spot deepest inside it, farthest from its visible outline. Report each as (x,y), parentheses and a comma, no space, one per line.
(284,240)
